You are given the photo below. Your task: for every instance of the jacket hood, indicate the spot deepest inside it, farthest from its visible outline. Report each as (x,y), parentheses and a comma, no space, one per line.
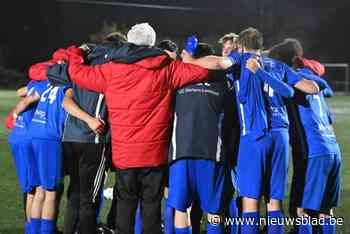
(101,51)
(154,62)
(148,57)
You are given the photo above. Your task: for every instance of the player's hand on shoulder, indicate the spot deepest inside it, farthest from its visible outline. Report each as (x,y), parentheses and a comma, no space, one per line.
(253,65)
(85,47)
(186,57)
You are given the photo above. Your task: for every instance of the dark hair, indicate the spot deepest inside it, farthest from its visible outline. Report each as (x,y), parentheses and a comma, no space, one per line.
(296,45)
(287,51)
(115,37)
(251,38)
(168,45)
(203,49)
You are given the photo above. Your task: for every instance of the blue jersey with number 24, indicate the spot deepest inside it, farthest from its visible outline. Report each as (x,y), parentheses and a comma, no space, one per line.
(49,116)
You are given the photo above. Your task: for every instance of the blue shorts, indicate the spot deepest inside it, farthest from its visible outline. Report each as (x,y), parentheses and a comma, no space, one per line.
(48,162)
(197,180)
(262,166)
(322,182)
(22,153)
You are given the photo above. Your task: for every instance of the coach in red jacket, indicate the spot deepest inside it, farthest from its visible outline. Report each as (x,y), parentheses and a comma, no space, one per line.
(138,83)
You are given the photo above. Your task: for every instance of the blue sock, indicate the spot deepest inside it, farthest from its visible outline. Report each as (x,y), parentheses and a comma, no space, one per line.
(277,217)
(328,228)
(214,229)
(251,223)
(47,226)
(168,213)
(35,226)
(234,215)
(138,220)
(27,228)
(186,230)
(305,227)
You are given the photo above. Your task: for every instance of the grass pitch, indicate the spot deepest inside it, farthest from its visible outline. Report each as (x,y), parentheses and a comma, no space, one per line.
(11,211)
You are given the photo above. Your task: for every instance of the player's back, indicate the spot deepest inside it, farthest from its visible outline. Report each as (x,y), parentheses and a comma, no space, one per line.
(317,120)
(249,91)
(49,116)
(278,115)
(202,112)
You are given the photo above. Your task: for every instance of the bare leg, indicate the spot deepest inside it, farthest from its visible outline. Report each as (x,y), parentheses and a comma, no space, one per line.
(49,206)
(37,204)
(30,199)
(181,219)
(250,204)
(274,205)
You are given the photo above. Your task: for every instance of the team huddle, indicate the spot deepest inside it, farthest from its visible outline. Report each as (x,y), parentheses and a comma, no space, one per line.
(202,133)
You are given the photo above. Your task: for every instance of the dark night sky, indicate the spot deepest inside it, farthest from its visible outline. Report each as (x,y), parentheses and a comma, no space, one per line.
(31,32)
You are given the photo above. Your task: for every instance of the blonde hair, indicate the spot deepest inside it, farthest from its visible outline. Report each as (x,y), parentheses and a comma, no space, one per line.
(116,36)
(228,37)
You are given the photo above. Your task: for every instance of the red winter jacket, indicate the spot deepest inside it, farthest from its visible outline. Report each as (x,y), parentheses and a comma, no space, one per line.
(38,71)
(139,100)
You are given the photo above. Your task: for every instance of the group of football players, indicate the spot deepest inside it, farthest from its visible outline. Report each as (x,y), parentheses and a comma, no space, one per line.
(203,133)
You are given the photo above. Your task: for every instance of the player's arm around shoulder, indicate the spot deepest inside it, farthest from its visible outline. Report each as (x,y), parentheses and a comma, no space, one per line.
(209,62)
(24,103)
(302,82)
(95,124)
(276,84)
(92,78)
(22,92)
(181,74)
(192,70)
(307,86)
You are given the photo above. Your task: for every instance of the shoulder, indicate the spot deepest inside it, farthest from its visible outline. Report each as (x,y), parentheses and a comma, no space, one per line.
(305,71)
(269,62)
(41,84)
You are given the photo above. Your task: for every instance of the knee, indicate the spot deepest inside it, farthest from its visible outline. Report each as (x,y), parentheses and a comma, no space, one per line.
(50,196)
(39,194)
(274,205)
(250,204)
(30,196)
(181,219)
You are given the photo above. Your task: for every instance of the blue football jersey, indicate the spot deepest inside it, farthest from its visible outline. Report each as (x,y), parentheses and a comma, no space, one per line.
(21,126)
(317,120)
(250,100)
(49,116)
(240,109)
(278,115)
(232,75)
